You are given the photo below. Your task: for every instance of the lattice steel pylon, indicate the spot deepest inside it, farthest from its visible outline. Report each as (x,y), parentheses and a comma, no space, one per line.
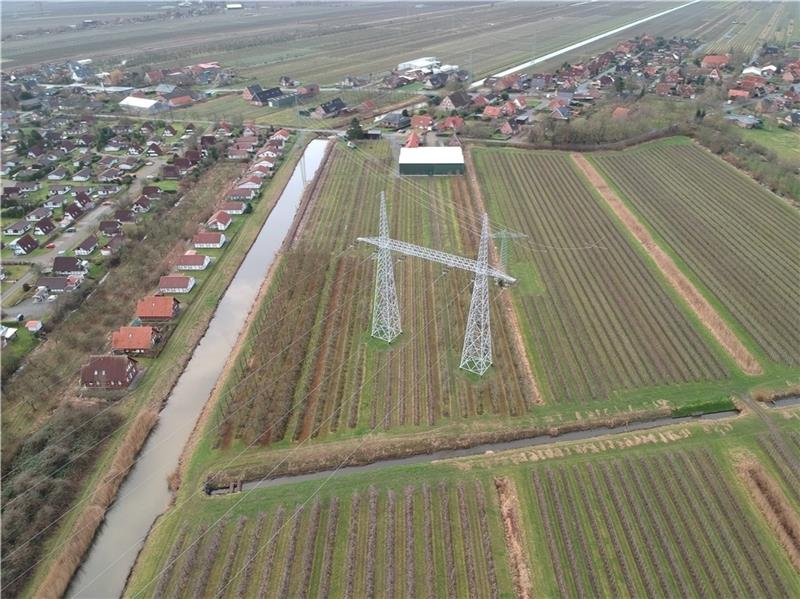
(504,236)
(477,353)
(385,308)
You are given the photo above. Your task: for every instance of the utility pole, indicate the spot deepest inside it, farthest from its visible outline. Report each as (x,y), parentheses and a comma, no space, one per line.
(385,307)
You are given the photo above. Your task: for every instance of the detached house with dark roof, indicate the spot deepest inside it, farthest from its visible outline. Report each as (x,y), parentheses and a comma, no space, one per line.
(109,372)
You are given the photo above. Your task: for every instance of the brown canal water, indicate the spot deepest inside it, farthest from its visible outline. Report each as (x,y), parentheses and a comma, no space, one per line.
(144,494)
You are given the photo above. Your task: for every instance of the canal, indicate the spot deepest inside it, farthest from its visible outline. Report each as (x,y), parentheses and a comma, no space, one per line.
(144,494)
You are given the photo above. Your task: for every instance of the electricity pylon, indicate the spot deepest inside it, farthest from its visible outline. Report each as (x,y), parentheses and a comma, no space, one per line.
(504,236)
(385,309)
(476,355)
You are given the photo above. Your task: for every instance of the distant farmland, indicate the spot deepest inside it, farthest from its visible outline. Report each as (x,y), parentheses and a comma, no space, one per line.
(601,320)
(736,237)
(323,42)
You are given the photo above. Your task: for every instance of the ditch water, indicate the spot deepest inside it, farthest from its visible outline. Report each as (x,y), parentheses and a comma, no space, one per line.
(477,450)
(144,494)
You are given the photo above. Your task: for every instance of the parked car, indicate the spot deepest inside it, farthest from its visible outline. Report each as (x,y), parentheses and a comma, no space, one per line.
(50,245)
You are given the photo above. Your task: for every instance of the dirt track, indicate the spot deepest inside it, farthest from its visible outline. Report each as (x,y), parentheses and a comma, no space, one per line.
(704,311)
(509,512)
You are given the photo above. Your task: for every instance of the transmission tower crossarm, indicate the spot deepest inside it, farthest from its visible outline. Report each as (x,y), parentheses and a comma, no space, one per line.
(451,260)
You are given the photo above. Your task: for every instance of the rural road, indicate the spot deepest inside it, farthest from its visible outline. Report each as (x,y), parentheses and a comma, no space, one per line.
(585,42)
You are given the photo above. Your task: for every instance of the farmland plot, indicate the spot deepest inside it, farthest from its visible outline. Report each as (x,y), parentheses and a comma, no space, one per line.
(603,321)
(675,526)
(736,237)
(424,540)
(312,369)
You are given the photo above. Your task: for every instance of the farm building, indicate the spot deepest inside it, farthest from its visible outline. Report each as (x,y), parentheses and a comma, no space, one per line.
(142,105)
(431,161)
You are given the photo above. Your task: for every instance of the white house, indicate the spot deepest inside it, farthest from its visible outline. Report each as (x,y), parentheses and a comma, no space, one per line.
(191,261)
(176,284)
(208,239)
(219,221)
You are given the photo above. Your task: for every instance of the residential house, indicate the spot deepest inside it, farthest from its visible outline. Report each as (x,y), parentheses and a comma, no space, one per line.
(492,112)
(192,261)
(24,245)
(154,150)
(157,308)
(44,227)
(152,192)
(329,109)
(56,201)
(219,221)
(455,123)
(109,372)
(180,101)
(82,175)
(169,172)
(133,340)
(233,207)
(281,136)
(38,214)
(87,246)
(422,121)
(208,239)
(176,284)
(459,100)
(72,212)
(263,96)
(141,205)
(83,200)
(413,140)
(561,113)
(395,120)
(109,175)
(125,216)
(69,265)
(715,61)
(113,246)
(18,228)
(110,228)
(57,174)
(58,285)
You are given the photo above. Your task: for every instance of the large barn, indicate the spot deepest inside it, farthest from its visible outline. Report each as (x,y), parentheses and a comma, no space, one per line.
(445,160)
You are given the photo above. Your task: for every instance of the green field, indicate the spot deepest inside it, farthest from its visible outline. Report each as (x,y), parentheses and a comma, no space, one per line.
(658,513)
(604,320)
(733,235)
(784,142)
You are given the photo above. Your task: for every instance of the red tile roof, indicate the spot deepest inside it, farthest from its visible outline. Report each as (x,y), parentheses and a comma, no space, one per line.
(155,306)
(132,339)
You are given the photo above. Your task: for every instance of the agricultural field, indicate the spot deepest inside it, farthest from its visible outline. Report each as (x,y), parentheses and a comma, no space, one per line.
(676,528)
(321,43)
(748,26)
(310,368)
(731,234)
(653,513)
(599,319)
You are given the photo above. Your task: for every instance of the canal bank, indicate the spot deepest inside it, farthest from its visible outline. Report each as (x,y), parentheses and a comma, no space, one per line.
(144,494)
